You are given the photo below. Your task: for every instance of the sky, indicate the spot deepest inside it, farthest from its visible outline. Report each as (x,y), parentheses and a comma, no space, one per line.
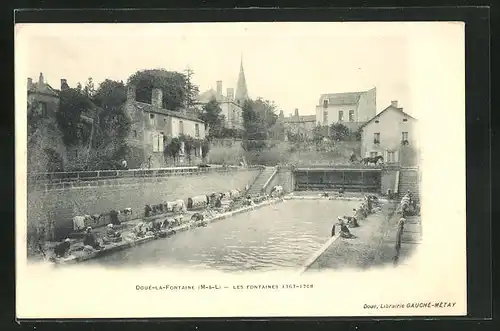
(291,64)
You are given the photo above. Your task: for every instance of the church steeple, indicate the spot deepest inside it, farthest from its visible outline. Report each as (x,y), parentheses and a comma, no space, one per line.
(241,86)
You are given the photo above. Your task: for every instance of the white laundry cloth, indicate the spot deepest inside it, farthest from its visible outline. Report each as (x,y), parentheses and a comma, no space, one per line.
(78,222)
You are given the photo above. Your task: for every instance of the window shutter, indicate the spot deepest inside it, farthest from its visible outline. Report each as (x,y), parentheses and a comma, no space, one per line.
(386,156)
(396,156)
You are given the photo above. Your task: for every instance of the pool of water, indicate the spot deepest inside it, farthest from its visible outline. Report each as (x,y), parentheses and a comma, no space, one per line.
(276,237)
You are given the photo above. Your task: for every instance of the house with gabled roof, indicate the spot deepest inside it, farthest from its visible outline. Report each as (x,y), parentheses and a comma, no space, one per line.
(352,109)
(392,134)
(153,127)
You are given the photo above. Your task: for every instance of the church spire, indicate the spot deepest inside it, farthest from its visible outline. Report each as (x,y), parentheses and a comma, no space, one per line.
(241,86)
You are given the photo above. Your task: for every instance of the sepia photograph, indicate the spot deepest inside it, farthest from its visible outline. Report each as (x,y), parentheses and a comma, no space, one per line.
(263,164)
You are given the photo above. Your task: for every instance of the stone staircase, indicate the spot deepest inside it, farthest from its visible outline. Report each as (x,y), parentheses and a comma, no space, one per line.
(259,182)
(409,180)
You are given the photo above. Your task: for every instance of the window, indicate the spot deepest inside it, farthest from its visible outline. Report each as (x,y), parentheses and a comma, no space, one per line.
(152,119)
(351,115)
(325,103)
(325,118)
(181,127)
(373,154)
(135,133)
(341,115)
(161,139)
(404,138)
(158,139)
(197,130)
(376,138)
(391,157)
(43,109)
(405,120)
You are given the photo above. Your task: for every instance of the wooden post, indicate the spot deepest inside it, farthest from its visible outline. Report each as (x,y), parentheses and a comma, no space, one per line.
(343,179)
(362,181)
(307,179)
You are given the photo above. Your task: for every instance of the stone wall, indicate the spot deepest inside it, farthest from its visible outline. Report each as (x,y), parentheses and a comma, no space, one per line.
(388,181)
(284,178)
(61,206)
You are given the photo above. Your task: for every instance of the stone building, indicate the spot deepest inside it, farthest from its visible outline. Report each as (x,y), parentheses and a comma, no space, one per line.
(46,150)
(231,109)
(153,127)
(231,104)
(301,125)
(392,133)
(352,109)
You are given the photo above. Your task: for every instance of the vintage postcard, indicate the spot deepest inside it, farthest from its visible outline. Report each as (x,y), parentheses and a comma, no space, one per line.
(240,170)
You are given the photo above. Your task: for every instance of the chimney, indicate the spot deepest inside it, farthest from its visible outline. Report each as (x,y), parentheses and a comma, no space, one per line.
(64,84)
(157,98)
(219,90)
(230,93)
(30,83)
(131,92)
(40,79)
(394,103)
(296,112)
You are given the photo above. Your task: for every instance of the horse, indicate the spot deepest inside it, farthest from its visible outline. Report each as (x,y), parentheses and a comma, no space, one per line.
(374,160)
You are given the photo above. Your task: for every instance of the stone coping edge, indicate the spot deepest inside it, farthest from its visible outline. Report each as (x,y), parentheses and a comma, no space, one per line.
(318,253)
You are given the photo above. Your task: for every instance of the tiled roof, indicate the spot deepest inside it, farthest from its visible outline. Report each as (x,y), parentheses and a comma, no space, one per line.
(149,108)
(42,89)
(383,111)
(300,119)
(349,98)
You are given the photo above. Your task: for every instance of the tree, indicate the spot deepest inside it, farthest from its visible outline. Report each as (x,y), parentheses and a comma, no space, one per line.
(113,123)
(192,89)
(319,133)
(211,116)
(89,89)
(189,145)
(72,104)
(259,117)
(205,148)
(173,85)
(339,132)
(172,149)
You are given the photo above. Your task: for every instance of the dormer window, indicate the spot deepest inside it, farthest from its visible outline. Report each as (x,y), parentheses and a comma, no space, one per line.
(325,103)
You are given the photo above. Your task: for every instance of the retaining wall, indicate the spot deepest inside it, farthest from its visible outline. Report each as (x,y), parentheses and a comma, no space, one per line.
(62,205)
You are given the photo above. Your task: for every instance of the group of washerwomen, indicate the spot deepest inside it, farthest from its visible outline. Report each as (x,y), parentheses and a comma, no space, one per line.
(408,205)
(368,206)
(276,192)
(90,240)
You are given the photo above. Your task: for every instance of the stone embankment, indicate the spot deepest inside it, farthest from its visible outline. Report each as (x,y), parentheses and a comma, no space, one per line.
(368,249)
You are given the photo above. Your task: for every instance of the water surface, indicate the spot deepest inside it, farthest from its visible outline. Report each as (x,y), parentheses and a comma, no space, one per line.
(280,236)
